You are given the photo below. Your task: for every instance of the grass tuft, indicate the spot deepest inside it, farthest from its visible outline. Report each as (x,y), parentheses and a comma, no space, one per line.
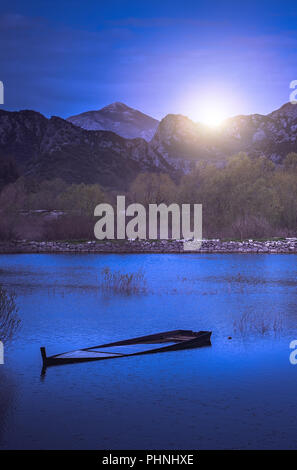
(249,323)
(9,320)
(122,283)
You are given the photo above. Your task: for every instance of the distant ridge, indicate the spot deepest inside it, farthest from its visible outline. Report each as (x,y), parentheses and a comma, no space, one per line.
(55,148)
(119,118)
(182,142)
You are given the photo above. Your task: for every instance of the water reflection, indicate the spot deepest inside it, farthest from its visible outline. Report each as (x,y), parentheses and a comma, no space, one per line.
(175,400)
(7,399)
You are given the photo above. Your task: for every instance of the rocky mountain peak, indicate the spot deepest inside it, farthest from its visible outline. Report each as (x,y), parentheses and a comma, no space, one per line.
(176,127)
(119,118)
(288,112)
(117,106)
(55,148)
(183,142)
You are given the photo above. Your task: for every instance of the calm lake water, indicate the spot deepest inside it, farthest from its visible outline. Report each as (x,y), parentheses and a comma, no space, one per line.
(238,393)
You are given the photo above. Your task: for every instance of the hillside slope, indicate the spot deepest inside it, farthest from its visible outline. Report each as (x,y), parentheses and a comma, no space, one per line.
(52,148)
(119,118)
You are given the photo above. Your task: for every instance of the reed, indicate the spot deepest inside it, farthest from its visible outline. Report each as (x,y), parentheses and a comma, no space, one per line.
(9,320)
(122,283)
(250,323)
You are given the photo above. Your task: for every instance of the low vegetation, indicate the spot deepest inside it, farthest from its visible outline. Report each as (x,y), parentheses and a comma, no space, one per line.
(247,198)
(9,320)
(251,323)
(118,282)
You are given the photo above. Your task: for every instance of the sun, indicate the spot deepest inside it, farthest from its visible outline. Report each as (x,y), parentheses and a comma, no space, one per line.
(212,117)
(208,110)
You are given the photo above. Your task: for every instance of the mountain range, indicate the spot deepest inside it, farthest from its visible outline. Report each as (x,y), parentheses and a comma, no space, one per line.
(75,150)
(182,142)
(55,148)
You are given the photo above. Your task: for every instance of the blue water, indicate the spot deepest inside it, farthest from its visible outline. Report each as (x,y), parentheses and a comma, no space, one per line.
(238,393)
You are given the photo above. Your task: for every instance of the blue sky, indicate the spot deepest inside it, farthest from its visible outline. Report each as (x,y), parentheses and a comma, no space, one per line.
(66,57)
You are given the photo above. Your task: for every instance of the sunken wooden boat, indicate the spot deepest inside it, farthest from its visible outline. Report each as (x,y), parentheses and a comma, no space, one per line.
(159,342)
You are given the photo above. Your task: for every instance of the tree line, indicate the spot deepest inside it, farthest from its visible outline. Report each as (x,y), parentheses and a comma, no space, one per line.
(246,198)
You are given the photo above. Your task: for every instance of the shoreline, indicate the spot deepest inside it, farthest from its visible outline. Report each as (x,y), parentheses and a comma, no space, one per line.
(283,246)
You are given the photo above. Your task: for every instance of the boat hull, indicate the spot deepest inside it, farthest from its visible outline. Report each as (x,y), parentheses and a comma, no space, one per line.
(150,344)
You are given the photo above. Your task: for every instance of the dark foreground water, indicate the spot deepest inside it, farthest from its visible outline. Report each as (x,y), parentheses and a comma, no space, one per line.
(238,393)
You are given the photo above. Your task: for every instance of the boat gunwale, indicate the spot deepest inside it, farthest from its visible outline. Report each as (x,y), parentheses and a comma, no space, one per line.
(178,345)
(136,340)
(140,339)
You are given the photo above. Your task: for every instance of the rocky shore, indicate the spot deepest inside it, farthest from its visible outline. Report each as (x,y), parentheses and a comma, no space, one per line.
(287,245)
